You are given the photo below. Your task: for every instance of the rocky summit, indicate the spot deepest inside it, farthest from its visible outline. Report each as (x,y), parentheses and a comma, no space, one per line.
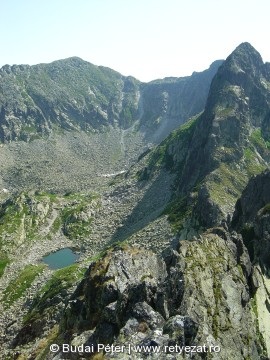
(160,189)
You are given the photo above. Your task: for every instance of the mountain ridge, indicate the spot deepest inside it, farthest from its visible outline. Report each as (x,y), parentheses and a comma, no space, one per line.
(74,94)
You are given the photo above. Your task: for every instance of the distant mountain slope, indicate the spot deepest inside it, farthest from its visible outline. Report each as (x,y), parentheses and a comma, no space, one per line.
(73,94)
(65,124)
(67,94)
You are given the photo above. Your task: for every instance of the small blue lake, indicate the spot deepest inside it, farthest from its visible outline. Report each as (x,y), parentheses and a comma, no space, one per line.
(60,259)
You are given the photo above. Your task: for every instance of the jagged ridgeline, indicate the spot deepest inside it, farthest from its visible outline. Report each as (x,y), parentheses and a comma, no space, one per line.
(215,153)
(176,243)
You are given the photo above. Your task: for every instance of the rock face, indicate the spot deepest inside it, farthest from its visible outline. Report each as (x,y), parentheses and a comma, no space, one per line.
(252,219)
(217,295)
(122,283)
(199,295)
(232,112)
(255,197)
(168,103)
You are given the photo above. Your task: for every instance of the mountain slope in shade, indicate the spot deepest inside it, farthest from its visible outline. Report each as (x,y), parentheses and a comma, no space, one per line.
(168,103)
(252,219)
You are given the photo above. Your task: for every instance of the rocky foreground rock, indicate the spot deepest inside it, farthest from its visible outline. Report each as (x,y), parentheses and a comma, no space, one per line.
(200,295)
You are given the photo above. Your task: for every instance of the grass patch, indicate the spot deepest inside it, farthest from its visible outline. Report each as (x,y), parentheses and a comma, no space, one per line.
(257,139)
(226,185)
(56,225)
(75,218)
(75,225)
(179,138)
(253,165)
(177,212)
(39,195)
(248,153)
(266,209)
(4,261)
(11,216)
(61,280)
(18,286)
(225,112)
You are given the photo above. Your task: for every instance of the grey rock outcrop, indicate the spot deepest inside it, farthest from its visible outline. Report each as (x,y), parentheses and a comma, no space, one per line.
(254,197)
(252,219)
(200,295)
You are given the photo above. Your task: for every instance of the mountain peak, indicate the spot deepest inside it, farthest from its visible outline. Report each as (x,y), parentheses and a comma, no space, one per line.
(243,68)
(246,47)
(245,58)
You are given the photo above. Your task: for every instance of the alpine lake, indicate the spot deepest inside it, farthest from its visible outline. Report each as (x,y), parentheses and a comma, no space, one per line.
(60,258)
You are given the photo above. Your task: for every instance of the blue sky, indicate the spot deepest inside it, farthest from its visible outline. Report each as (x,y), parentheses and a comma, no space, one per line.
(148,39)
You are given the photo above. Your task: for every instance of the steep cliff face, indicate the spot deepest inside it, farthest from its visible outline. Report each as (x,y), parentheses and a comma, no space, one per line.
(255,197)
(168,103)
(252,219)
(215,154)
